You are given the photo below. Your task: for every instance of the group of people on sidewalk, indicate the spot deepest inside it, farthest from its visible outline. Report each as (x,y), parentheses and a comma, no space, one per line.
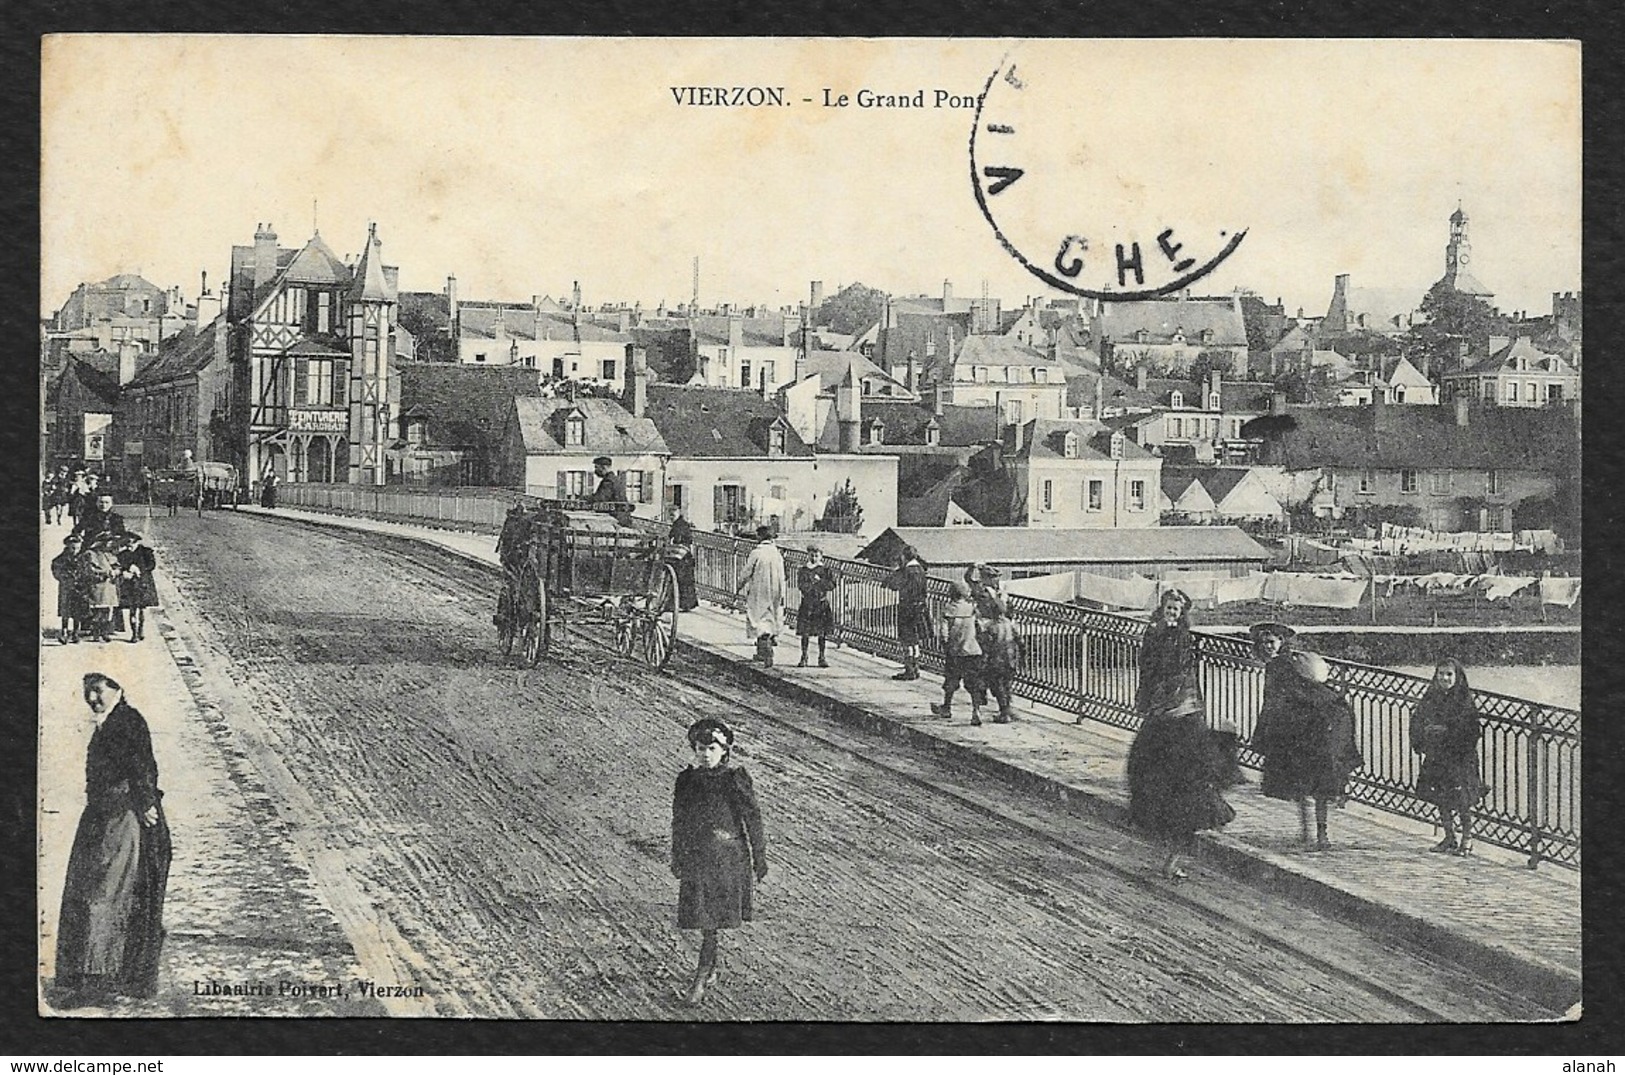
(105,578)
(1178,764)
(762,591)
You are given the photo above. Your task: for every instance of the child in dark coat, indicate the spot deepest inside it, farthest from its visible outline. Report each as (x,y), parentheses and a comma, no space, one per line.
(71,607)
(718,849)
(1001,656)
(1445,730)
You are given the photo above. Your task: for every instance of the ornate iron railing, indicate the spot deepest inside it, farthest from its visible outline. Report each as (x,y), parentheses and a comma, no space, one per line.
(1087,662)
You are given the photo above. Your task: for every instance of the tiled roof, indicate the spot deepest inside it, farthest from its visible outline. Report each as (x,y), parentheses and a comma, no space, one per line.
(1044,545)
(100,384)
(712,330)
(181,355)
(1080,392)
(466,406)
(718,423)
(1236,396)
(1001,351)
(905,424)
(1419,436)
(609,429)
(1161,318)
(832,366)
(315,263)
(1045,438)
(1218,481)
(478,320)
(930,338)
(1506,359)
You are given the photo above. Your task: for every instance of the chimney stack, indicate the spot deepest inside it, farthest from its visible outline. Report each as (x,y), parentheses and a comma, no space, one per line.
(264,256)
(637,380)
(936,400)
(761,381)
(451,298)
(1100,395)
(947,293)
(736,333)
(128,352)
(1463,409)
(626,320)
(1215,381)
(1139,378)
(575,296)
(816,298)
(849,411)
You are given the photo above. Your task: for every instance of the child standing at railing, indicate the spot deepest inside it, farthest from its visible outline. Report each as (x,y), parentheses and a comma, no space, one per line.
(1445,729)
(962,655)
(1001,656)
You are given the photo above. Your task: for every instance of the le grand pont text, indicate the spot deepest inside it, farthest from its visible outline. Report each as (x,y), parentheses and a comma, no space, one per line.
(780,97)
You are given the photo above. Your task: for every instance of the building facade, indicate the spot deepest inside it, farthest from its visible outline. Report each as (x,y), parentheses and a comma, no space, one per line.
(311,341)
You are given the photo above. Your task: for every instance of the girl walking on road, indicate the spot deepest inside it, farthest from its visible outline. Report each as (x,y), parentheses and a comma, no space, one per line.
(718,850)
(111,930)
(137,583)
(1308,744)
(1173,768)
(1445,730)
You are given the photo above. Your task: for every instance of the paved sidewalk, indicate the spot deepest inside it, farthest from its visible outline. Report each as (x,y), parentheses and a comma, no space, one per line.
(1486,911)
(242,908)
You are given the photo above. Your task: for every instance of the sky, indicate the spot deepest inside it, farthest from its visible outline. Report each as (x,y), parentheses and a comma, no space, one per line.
(524,165)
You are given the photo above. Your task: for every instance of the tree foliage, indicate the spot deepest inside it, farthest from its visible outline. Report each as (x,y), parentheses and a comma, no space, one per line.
(852,309)
(842,512)
(1451,320)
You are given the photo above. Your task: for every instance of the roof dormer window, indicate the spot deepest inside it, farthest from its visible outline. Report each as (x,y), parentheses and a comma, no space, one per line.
(1117,444)
(1069,445)
(775,439)
(1141,336)
(1176,399)
(575,430)
(1214,403)
(877,432)
(933,434)
(1207,335)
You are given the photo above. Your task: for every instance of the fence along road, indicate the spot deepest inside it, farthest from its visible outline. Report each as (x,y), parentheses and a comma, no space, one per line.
(1087,662)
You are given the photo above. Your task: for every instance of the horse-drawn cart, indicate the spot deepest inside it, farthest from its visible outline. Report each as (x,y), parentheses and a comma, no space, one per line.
(203,485)
(566,560)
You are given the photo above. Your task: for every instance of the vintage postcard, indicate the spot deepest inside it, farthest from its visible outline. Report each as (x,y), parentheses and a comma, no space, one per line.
(868,530)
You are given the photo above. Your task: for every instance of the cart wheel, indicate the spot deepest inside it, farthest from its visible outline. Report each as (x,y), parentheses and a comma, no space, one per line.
(658,619)
(538,631)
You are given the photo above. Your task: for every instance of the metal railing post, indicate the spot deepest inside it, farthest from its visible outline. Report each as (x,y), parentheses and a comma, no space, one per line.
(1534,751)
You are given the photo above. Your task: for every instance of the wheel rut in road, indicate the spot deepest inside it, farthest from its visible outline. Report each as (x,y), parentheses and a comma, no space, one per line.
(511,827)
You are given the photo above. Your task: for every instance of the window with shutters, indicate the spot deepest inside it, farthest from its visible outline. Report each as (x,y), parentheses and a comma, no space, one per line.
(575,484)
(1407,481)
(636,485)
(1492,482)
(315,380)
(1097,491)
(1136,496)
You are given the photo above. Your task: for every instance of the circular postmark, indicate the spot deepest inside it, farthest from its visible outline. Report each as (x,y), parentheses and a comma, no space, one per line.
(1094,191)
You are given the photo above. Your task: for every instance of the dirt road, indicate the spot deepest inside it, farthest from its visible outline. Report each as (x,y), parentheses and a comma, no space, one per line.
(499,836)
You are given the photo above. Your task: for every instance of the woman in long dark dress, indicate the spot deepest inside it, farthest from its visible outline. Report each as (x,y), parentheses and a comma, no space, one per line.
(1309,746)
(137,583)
(680,551)
(1277,715)
(111,931)
(1445,730)
(1173,767)
(718,850)
(814,616)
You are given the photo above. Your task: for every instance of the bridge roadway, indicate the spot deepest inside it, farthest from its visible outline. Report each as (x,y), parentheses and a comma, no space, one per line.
(372,793)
